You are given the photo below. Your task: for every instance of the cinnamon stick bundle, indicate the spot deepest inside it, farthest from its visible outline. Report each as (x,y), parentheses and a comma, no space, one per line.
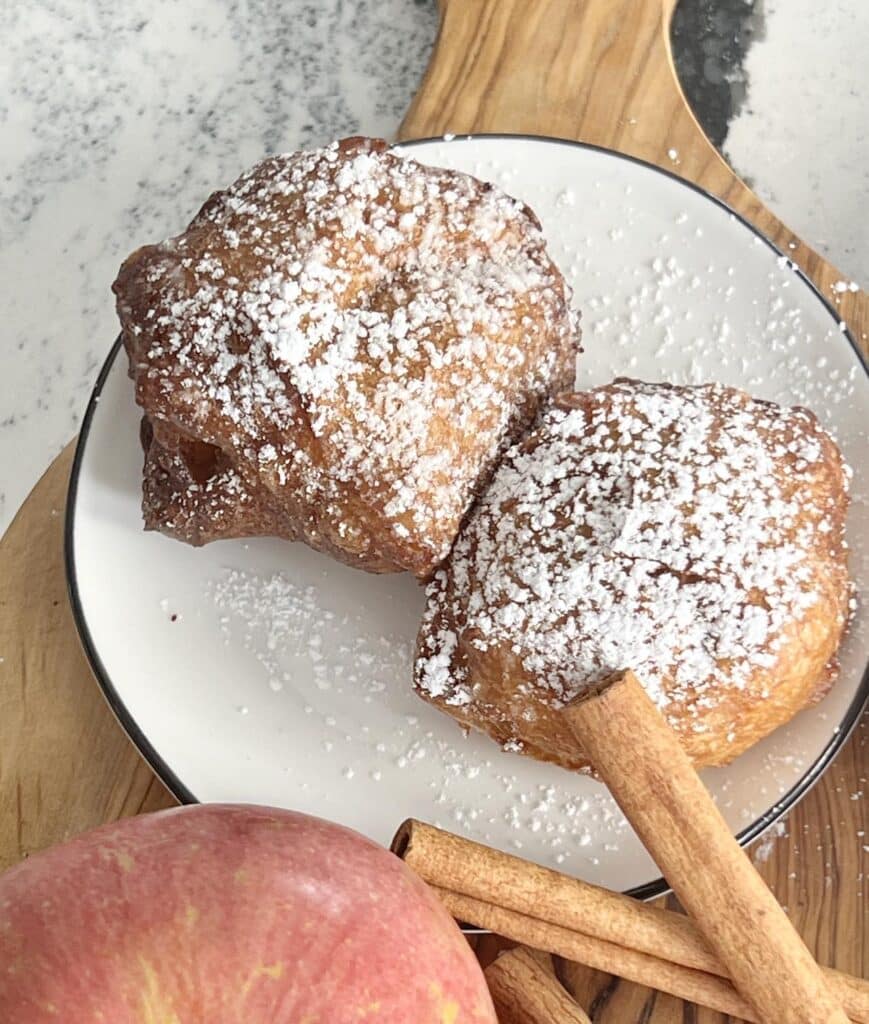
(653,781)
(682,982)
(525,991)
(611,932)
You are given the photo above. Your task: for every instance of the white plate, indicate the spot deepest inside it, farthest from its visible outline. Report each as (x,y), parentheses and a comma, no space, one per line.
(264,672)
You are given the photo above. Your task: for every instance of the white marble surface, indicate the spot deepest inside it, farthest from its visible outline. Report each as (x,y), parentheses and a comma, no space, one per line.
(116,120)
(802,138)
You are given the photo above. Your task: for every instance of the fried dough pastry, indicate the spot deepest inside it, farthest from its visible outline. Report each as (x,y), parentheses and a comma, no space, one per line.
(337,350)
(192,489)
(693,534)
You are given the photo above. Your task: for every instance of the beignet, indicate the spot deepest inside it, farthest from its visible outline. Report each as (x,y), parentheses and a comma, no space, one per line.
(349,339)
(693,534)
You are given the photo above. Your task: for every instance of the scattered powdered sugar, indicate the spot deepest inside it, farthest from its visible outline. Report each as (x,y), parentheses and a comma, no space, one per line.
(840,287)
(274,617)
(344,691)
(356,332)
(760,853)
(647,313)
(572,827)
(352,687)
(677,531)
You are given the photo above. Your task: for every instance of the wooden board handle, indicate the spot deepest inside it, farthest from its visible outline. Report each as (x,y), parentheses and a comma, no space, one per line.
(599,71)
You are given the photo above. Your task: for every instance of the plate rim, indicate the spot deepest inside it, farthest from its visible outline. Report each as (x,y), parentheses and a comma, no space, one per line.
(159,765)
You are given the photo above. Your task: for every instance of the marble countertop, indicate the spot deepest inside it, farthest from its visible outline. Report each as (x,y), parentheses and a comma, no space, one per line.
(116,120)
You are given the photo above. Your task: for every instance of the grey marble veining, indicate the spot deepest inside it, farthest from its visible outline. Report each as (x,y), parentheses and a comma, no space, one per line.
(117,121)
(710,39)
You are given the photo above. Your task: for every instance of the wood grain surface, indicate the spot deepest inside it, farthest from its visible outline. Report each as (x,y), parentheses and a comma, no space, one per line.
(65,763)
(600,71)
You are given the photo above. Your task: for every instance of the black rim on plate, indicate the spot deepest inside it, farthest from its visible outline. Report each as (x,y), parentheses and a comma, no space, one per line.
(160,767)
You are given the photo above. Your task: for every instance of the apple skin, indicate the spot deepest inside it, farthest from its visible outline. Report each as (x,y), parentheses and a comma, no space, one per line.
(226,914)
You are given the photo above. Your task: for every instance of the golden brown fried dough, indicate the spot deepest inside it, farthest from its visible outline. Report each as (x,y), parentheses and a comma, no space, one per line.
(348,340)
(693,534)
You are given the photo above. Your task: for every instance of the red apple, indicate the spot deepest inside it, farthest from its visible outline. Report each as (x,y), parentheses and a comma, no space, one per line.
(220,914)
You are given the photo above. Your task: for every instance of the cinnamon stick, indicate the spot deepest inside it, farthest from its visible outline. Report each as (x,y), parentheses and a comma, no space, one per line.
(453,862)
(683,982)
(524,991)
(521,900)
(653,781)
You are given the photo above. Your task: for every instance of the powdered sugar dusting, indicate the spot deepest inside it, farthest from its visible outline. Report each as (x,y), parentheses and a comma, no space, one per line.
(277,617)
(761,853)
(678,531)
(359,335)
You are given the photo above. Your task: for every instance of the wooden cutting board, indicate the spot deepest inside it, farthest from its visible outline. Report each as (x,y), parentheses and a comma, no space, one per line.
(596,70)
